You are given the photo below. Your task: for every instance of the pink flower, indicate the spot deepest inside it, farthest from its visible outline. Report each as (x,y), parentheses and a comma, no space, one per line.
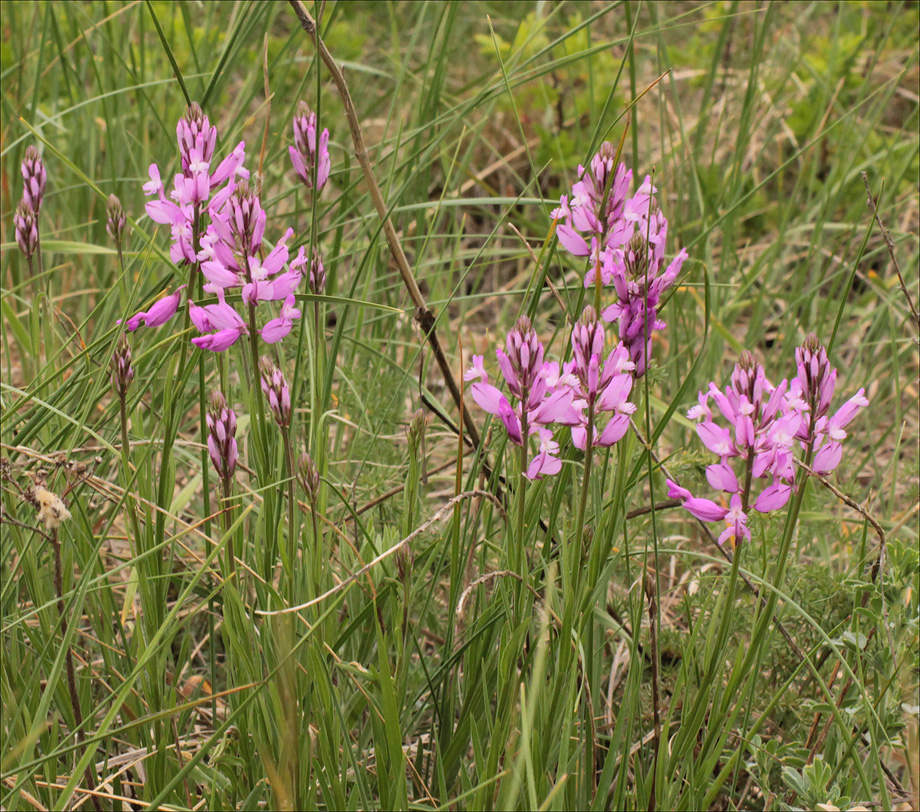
(222,323)
(736,519)
(545,464)
(160,313)
(278,328)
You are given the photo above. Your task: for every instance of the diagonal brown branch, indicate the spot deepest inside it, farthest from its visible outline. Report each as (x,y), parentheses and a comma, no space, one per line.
(889,243)
(423,315)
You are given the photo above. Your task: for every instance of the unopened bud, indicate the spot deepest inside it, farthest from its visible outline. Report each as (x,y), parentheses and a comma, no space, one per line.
(221,420)
(115,219)
(122,371)
(308,475)
(25,224)
(276,390)
(317,274)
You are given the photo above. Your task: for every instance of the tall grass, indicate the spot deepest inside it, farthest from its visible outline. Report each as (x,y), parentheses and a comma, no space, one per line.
(511,647)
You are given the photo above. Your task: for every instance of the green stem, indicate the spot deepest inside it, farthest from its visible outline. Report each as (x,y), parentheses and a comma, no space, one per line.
(226,518)
(126,473)
(292,515)
(71,674)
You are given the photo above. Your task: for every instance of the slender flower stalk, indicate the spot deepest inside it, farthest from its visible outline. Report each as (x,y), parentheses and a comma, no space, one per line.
(278,393)
(221,423)
(115,223)
(122,373)
(309,479)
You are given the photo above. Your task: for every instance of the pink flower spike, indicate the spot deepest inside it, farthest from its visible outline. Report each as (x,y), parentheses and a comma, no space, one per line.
(773,498)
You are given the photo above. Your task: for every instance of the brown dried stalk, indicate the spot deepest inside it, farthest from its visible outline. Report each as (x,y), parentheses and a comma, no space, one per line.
(423,315)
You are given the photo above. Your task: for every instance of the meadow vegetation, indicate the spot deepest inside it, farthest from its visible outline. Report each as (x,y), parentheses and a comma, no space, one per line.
(459,405)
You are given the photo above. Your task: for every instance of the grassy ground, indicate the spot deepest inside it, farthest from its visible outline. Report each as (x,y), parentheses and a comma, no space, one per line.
(509,655)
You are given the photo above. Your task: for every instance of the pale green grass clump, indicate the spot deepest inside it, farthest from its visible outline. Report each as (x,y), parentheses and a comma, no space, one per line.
(477,665)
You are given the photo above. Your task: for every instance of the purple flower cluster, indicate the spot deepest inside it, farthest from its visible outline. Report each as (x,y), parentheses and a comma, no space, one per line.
(766,424)
(625,238)
(587,388)
(25,220)
(232,258)
(536,404)
(222,447)
(307,155)
(230,248)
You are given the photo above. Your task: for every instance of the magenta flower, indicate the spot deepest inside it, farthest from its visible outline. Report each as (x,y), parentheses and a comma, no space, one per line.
(220,321)
(596,207)
(639,279)
(306,155)
(601,386)
(276,329)
(192,187)
(535,406)
(160,313)
(523,370)
(811,393)
(545,463)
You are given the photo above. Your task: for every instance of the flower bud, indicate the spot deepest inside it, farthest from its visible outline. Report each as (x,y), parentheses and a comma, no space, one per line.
(115,219)
(194,132)
(221,420)
(277,391)
(317,274)
(308,476)
(25,223)
(247,220)
(415,431)
(34,177)
(307,155)
(120,365)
